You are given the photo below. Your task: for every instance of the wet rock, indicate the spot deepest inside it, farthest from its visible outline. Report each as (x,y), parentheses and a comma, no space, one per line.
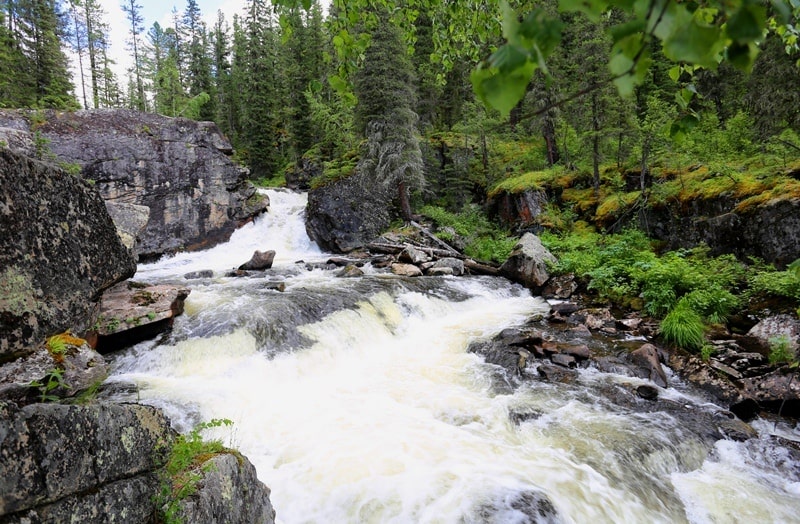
(59,249)
(737,430)
(527,263)
(560,287)
(555,373)
(629,324)
(259,261)
(228,491)
(568,361)
(580,351)
(777,326)
(646,359)
(719,366)
(647,392)
(343,262)
(276,286)
(205,273)
(521,507)
(580,331)
(347,214)
(611,364)
(771,390)
(561,311)
(595,319)
(701,375)
(381,262)
(412,255)
(746,409)
(439,272)
(132,312)
(406,270)
(454,264)
(350,271)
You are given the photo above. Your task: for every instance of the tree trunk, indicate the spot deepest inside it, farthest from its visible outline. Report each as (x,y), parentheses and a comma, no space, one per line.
(549,134)
(405,202)
(595,145)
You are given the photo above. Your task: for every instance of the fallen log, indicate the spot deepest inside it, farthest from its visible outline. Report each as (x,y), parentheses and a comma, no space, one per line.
(436,240)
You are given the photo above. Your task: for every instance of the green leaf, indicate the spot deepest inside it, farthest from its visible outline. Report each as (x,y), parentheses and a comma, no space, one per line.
(508,58)
(693,41)
(510,23)
(502,90)
(620,31)
(683,125)
(742,56)
(675,73)
(746,24)
(630,60)
(540,31)
(591,8)
(338,83)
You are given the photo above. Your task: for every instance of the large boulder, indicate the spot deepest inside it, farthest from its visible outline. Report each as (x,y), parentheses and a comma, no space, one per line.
(59,249)
(347,214)
(131,312)
(527,263)
(178,168)
(770,231)
(94,463)
(228,491)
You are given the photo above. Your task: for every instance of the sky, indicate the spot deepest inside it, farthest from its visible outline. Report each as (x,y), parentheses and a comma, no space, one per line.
(153,11)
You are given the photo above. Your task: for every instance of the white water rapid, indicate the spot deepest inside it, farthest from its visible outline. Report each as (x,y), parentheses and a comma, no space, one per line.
(357,401)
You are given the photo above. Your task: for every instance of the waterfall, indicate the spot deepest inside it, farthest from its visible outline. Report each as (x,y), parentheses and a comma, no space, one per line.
(357,402)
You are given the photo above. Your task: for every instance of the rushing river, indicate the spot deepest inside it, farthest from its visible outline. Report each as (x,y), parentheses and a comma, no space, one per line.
(357,401)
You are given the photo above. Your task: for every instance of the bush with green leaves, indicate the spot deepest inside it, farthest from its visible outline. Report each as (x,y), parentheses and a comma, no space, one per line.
(780,350)
(484,240)
(683,327)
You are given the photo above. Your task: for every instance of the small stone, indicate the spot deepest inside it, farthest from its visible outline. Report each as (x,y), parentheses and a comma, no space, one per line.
(568,361)
(439,272)
(350,271)
(205,273)
(578,351)
(647,392)
(260,260)
(406,270)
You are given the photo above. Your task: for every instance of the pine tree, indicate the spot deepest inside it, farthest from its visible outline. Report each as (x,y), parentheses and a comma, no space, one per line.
(385,113)
(136,95)
(261,136)
(198,62)
(37,31)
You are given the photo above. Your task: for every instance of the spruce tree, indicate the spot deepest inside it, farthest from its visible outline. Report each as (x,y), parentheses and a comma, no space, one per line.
(133,11)
(385,113)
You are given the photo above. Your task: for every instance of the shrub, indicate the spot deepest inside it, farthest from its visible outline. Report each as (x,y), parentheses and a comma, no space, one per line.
(714,304)
(683,327)
(780,350)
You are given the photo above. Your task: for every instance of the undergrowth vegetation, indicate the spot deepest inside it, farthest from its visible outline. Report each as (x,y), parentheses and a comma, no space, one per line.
(187,462)
(483,240)
(686,289)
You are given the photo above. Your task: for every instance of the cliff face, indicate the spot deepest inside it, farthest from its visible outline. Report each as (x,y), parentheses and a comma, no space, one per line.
(59,250)
(180,169)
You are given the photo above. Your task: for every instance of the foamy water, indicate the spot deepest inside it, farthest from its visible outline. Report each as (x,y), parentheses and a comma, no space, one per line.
(369,409)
